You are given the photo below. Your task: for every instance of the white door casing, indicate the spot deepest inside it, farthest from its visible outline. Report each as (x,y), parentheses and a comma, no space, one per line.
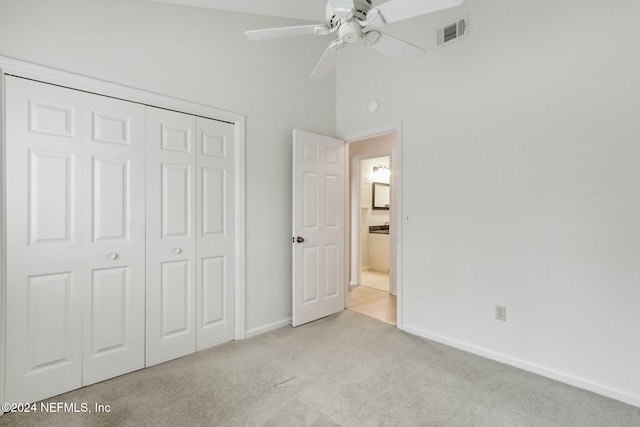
(114,256)
(3,268)
(318,226)
(367,148)
(396,212)
(171,230)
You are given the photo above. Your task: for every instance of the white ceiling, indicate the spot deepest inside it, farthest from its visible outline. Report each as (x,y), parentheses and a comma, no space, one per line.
(309,10)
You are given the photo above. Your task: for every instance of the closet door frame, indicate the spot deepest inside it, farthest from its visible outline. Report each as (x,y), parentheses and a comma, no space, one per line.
(47,75)
(3,233)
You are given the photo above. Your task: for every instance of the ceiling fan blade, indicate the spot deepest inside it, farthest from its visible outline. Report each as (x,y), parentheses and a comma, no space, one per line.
(396,49)
(278,33)
(397,10)
(345,4)
(327,63)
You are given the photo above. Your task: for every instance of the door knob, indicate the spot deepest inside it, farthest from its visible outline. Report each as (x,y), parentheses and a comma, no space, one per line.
(177,250)
(113,256)
(300,239)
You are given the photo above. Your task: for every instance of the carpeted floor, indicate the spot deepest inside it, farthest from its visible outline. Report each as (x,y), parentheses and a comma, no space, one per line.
(347,369)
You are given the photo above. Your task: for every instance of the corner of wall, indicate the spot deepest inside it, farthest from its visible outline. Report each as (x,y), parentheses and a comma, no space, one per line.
(267,328)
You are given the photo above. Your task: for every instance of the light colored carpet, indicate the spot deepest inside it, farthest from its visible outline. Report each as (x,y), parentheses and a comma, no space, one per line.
(344,370)
(374,279)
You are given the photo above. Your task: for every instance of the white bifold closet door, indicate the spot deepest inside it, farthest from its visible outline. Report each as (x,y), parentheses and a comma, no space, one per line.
(75,239)
(114,291)
(190,234)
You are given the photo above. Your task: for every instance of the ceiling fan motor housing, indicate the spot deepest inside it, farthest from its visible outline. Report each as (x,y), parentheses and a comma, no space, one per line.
(334,17)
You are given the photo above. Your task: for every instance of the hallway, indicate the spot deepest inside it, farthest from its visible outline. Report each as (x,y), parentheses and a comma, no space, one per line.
(375,303)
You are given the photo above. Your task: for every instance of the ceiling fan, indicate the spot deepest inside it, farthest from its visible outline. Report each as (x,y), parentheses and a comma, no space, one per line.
(355,20)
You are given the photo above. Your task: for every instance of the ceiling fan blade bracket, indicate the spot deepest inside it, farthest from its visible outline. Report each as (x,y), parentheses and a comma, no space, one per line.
(374,19)
(370,38)
(336,44)
(343,14)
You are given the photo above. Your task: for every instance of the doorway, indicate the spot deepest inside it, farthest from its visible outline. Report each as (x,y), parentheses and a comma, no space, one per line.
(373,283)
(321,167)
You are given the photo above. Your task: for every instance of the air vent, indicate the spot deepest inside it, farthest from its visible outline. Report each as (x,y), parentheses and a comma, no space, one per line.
(455,31)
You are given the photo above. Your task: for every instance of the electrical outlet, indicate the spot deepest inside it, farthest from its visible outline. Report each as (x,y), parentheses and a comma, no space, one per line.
(501,313)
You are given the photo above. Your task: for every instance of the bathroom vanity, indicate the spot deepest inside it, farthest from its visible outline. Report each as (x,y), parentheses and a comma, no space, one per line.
(379,247)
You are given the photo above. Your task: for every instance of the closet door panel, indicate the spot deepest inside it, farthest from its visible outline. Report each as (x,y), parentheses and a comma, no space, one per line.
(108,295)
(50,196)
(176,204)
(171,249)
(215,233)
(176,296)
(44,240)
(49,302)
(110,187)
(114,260)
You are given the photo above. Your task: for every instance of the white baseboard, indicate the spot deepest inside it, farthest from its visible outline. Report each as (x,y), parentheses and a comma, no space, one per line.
(267,328)
(527,366)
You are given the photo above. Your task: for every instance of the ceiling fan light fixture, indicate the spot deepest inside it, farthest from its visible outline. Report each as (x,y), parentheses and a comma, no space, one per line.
(350,32)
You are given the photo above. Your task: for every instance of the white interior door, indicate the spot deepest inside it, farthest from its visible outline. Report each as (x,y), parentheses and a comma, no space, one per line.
(318,226)
(45,240)
(215,314)
(114,278)
(171,231)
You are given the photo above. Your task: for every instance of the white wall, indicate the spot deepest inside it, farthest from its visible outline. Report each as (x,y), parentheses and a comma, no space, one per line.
(520,151)
(202,56)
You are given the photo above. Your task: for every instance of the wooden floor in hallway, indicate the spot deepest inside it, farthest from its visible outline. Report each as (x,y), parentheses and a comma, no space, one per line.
(374,279)
(371,302)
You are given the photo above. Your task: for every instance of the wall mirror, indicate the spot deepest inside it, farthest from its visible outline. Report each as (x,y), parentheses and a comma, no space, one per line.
(380,199)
